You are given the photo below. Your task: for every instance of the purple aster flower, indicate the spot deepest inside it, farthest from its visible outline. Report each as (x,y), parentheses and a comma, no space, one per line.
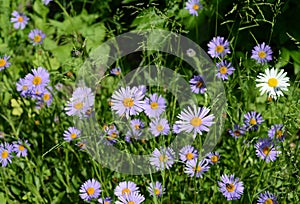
(143,89)
(19,20)
(191,167)
(4,63)
(81,102)
(217,47)
(71,134)
(252,120)
(127,101)
(156,189)
(46,96)
(82,144)
(46,2)
(132,198)
(116,71)
(90,190)
(176,129)
(197,85)
(125,188)
(22,87)
(193,6)
(159,126)
(5,153)
(266,149)
(37,36)
(37,81)
(277,131)
(267,198)
(237,131)
(154,105)
(163,158)
(106,200)
(20,148)
(188,153)
(231,187)
(195,120)
(213,157)
(262,53)
(137,124)
(224,70)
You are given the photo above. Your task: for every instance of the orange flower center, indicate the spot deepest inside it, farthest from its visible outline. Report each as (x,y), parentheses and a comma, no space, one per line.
(220,48)
(46,97)
(223,70)
(262,54)
(269,201)
(199,84)
(237,133)
(20,19)
(90,191)
(266,150)
(157,191)
(126,190)
(252,121)
(73,135)
(159,127)
(154,105)
(78,106)
(4,154)
(37,80)
(214,158)
(230,187)
(196,7)
(128,102)
(196,122)
(189,156)
(198,169)
(21,147)
(2,62)
(279,134)
(37,38)
(163,158)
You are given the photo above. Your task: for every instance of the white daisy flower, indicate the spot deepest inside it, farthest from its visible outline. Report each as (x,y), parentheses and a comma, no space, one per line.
(272,82)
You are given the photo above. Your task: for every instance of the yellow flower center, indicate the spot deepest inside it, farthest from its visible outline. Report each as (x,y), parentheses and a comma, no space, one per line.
(37,80)
(266,150)
(73,135)
(199,84)
(78,106)
(159,127)
(131,202)
(24,88)
(262,54)
(220,48)
(156,191)
(223,70)
(269,201)
(252,121)
(189,156)
(214,158)
(154,105)
(272,82)
(279,133)
(198,169)
(2,62)
(21,147)
(137,126)
(230,187)
(128,102)
(20,19)
(196,7)
(90,191)
(106,202)
(126,190)
(163,158)
(4,154)
(196,122)
(37,38)
(46,97)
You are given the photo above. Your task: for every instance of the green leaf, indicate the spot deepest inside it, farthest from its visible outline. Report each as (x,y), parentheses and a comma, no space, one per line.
(17,110)
(283,59)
